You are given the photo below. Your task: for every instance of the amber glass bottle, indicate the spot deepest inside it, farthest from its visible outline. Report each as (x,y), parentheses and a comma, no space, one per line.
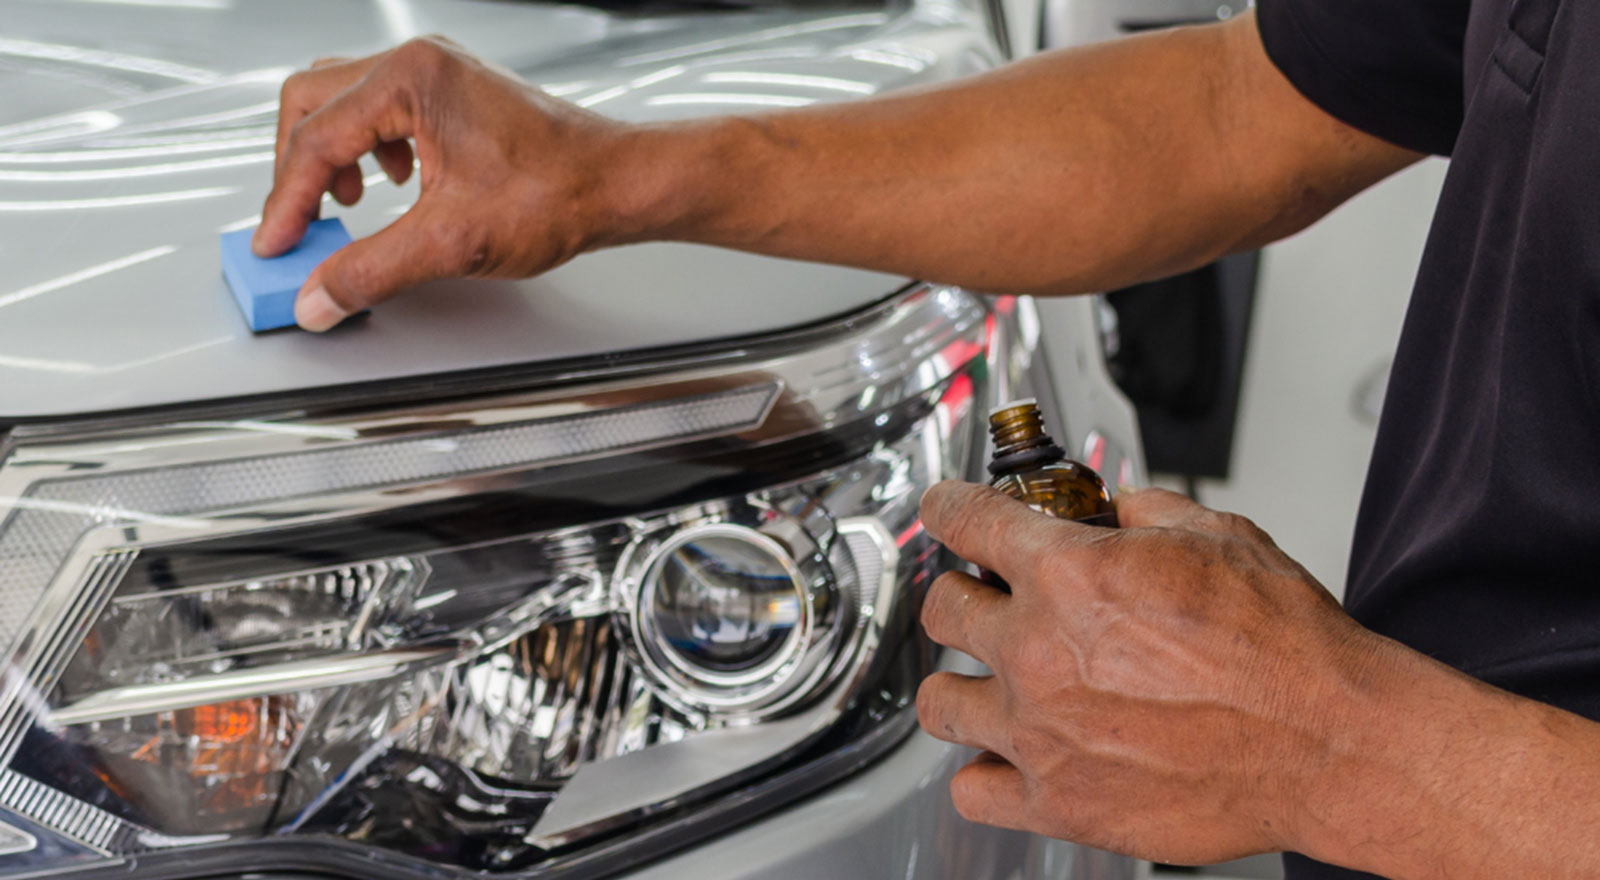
(1031,468)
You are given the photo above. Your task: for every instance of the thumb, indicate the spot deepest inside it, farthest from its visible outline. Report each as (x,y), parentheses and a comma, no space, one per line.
(368,271)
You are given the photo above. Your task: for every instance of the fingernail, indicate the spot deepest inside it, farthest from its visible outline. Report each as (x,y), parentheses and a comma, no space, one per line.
(316,311)
(255,244)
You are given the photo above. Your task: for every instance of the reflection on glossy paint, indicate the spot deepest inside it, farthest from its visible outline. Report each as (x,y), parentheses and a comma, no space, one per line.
(102,58)
(615,92)
(67,125)
(265,108)
(168,147)
(902,60)
(243,223)
(602,96)
(832,23)
(729,98)
(563,89)
(398,19)
(81,275)
(757,56)
(661,75)
(264,132)
(183,195)
(799,81)
(44,365)
(136,170)
(204,5)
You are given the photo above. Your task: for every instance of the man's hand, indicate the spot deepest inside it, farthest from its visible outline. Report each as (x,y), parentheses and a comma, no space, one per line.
(479,134)
(1180,690)
(1160,690)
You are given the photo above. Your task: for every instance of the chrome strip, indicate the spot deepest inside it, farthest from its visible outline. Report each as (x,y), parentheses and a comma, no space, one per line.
(28,678)
(265,681)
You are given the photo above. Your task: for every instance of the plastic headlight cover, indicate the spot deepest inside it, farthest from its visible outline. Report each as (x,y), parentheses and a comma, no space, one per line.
(479,634)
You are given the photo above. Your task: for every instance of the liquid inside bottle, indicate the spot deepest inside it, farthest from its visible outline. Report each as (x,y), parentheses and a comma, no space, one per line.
(1030,467)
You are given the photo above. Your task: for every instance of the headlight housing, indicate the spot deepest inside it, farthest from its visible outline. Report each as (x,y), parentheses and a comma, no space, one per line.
(504,633)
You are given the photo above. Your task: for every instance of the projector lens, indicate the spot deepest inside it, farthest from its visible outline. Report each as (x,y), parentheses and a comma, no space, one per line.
(725,603)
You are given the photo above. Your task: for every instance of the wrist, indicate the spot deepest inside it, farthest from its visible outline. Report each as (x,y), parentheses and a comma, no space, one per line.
(1401,734)
(661,182)
(1354,712)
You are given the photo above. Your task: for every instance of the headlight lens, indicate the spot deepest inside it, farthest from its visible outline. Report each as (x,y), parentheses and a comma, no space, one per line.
(482,635)
(724,604)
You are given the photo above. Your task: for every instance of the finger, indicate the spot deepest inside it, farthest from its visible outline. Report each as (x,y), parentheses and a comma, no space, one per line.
(990,791)
(396,160)
(1144,508)
(967,614)
(335,136)
(305,92)
(963,709)
(347,185)
(989,528)
(365,272)
(1162,509)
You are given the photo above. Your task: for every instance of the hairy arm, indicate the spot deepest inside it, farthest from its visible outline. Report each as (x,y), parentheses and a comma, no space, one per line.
(1073,171)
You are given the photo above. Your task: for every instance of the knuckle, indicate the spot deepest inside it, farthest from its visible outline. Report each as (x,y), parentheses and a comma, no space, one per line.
(1055,559)
(307,137)
(935,502)
(292,84)
(1228,523)
(1028,746)
(1142,504)
(423,55)
(974,515)
(1025,659)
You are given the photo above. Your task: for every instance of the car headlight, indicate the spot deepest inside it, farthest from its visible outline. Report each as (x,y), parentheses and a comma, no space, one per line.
(503,632)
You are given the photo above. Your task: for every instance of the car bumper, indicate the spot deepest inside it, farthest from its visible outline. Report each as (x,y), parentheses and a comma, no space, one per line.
(894,819)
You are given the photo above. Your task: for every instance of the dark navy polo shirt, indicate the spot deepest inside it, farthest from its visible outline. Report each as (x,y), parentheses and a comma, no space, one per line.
(1478,540)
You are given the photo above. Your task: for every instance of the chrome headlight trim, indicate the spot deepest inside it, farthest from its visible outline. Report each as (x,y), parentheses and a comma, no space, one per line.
(640,578)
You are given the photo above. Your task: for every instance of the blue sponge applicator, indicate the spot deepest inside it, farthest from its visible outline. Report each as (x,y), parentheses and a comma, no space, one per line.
(266,289)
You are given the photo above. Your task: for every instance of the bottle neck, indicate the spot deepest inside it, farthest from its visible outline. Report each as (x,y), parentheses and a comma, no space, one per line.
(1020,441)
(1026,458)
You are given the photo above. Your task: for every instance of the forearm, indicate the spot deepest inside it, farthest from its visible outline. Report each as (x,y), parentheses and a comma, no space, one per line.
(1071,172)
(1440,776)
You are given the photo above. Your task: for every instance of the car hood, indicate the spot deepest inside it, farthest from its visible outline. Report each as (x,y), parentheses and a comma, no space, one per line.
(133,133)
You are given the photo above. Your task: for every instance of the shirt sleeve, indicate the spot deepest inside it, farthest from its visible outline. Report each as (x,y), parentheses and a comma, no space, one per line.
(1392,68)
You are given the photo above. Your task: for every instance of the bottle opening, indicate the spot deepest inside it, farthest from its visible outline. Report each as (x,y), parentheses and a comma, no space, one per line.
(1015,404)
(1017,425)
